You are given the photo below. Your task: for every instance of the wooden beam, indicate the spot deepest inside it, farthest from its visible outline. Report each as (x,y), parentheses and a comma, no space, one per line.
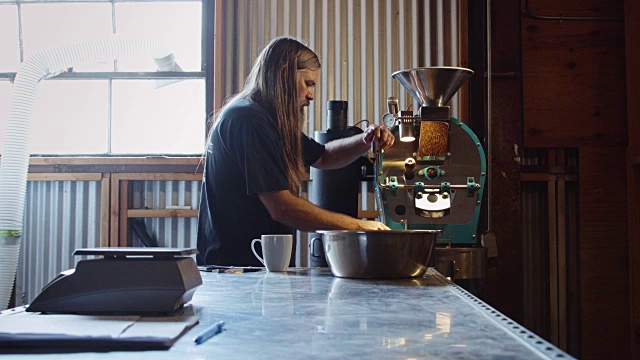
(65,177)
(553,262)
(105,205)
(561,202)
(562,262)
(505,274)
(114,210)
(633,196)
(161,176)
(123,226)
(632,54)
(161,213)
(115,160)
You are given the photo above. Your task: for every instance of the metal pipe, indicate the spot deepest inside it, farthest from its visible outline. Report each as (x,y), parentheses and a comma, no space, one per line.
(488,130)
(532,15)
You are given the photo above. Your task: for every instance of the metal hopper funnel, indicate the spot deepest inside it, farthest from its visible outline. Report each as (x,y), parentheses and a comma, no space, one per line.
(433,86)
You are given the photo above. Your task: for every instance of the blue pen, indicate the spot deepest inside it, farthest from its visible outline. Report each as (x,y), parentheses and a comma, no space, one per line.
(209,332)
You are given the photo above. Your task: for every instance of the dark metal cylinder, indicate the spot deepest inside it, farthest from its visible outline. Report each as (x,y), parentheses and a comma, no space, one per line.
(337,114)
(337,189)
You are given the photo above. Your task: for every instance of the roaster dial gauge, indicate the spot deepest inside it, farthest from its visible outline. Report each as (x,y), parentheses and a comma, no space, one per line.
(388,120)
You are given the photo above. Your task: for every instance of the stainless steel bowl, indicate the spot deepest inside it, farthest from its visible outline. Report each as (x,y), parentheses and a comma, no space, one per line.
(384,254)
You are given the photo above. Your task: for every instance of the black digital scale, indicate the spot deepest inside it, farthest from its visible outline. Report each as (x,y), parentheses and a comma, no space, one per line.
(123,281)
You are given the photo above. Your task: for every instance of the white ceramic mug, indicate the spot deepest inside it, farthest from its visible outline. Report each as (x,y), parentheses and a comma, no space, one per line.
(276,250)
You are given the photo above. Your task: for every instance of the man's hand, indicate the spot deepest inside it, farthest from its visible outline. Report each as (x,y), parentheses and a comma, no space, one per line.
(371,225)
(380,134)
(300,214)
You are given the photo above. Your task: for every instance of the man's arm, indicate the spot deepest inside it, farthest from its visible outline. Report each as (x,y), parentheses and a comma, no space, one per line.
(300,214)
(342,152)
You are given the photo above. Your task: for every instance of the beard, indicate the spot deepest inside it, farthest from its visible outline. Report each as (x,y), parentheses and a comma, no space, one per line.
(303,118)
(304,104)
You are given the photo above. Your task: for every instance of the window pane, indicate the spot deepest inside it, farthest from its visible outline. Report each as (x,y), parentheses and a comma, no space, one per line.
(175,24)
(9,56)
(5,99)
(168,120)
(70,117)
(47,25)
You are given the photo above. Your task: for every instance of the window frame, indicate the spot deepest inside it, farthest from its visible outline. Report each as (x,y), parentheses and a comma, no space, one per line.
(205,73)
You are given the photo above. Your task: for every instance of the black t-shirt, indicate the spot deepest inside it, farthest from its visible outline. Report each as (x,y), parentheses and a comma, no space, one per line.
(243,158)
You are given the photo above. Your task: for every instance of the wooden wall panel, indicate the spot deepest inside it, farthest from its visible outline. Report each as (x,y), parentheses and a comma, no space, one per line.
(632,52)
(575,95)
(574,76)
(634,259)
(604,270)
(505,285)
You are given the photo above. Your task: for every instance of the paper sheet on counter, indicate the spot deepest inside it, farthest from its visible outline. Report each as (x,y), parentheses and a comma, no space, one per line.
(72,325)
(22,329)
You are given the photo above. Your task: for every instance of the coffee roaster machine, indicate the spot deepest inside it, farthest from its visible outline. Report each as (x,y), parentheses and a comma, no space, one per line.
(433,177)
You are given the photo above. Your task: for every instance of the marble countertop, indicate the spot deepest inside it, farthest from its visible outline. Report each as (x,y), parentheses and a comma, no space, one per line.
(309,313)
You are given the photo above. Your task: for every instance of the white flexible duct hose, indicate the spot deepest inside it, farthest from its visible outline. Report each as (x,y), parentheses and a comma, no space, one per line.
(14,163)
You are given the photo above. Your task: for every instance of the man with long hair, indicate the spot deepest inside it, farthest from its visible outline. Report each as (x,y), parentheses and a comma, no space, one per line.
(257,153)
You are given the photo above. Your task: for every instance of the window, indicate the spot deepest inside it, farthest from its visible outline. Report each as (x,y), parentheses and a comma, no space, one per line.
(109,107)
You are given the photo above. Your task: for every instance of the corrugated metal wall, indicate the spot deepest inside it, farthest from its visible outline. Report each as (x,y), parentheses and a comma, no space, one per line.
(360,43)
(60,216)
(169,232)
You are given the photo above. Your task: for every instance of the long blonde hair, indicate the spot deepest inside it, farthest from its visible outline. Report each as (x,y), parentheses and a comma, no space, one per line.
(272,84)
